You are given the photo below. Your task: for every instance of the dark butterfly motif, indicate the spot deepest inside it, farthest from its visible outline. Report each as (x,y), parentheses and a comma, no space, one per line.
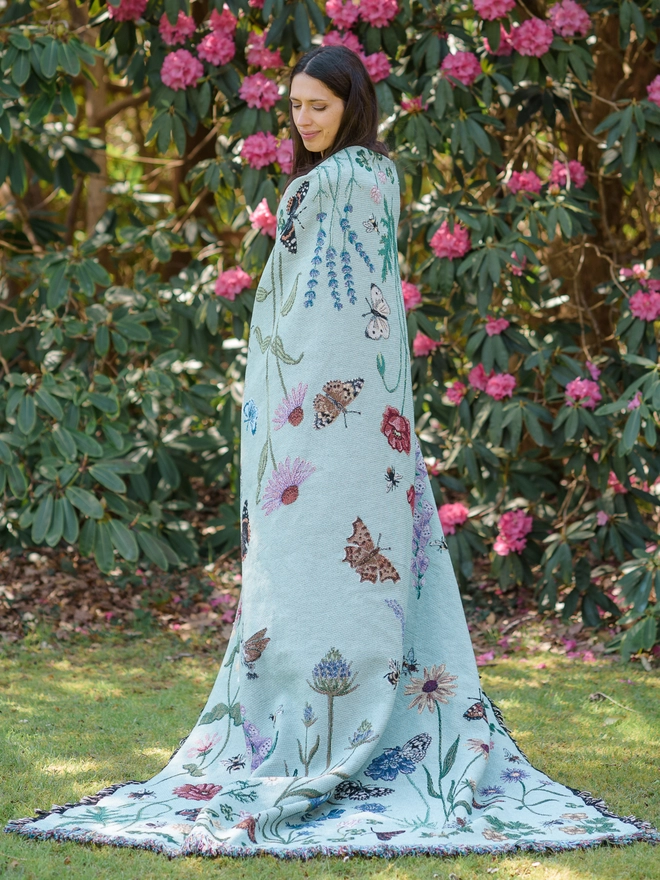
(245,530)
(334,399)
(387,835)
(371,225)
(293,209)
(440,543)
(356,791)
(365,557)
(235,763)
(378,326)
(415,749)
(252,649)
(410,664)
(476,712)
(392,478)
(394,674)
(513,759)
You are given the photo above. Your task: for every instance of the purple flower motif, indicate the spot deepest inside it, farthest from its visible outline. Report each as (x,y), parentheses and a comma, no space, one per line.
(290,409)
(398,613)
(491,791)
(284,483)
(421,536)
(514,774)
(388,765)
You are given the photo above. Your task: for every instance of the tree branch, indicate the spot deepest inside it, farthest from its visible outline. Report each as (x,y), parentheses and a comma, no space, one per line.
(119,105)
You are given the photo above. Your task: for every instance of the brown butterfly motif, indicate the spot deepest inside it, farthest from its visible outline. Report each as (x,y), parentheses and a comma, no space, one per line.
(245,530)
(387,835)
(334,399)
(365,557)
(249,824)
(476,712)
(252,649)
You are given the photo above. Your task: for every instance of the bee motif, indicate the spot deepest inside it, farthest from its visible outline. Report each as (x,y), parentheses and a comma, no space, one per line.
(273,715)
(393,479)
(395,672)
(371,225)
(440,543)
(410,664)
(235,763)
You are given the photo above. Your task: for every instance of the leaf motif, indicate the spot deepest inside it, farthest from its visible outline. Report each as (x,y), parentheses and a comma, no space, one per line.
(288,305)
(277,347)
(263,458)
(235,714)
(302,792)
(264,344)
(217,713)
(450,757)
(314,749)
(262,294)
(194,770)
(429,784)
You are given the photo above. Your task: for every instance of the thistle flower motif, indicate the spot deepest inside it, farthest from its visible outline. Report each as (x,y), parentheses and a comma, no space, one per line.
(332,675)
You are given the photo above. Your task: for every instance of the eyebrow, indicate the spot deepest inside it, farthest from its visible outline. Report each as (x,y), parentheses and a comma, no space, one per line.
(310,100)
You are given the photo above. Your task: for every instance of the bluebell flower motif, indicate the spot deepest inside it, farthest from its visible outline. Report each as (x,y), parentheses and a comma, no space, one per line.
(388,765)
(364,734)
(344,224)
(399,613)
(309,717)
(514,774)
(250,414)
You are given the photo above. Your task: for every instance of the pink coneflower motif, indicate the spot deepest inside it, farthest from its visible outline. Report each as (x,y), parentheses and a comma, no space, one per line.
(481,747)
(284,483)
(203,746)
(290,409)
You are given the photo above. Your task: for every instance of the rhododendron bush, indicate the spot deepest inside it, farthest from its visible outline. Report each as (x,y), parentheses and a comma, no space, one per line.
(143,150)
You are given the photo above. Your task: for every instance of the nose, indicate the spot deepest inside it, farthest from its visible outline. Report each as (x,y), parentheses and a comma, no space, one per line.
(303,118)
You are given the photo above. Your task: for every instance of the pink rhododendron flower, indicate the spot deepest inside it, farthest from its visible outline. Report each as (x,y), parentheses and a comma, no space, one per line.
(495,326)
(445,243)
(534,37)
(525,181)
(517,266)
(411,295)
(594,371)
(379,13)
(492,9)
(583,392)
(181,69)
(485,658)
(128,10)
(638,271)
(653,284)
(217,48)
(463,66)
(335,38)
(477,377)
(230,283)
(378,66)
(614,483)
(500,385)
(505,47)
(259,91)
(602,518)
(223,22)
(514,526)
(456,392)
(645,306)
(413,105)
(175,34)
(653,90)
(452,515)
(284,155)
(423,345)
(259,149)
(635,402)
(559,174)
(569,19)
(262,218)
(342,15)
(259,56)
(256,4)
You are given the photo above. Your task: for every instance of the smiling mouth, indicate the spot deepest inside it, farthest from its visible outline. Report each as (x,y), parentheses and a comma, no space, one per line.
(309,134)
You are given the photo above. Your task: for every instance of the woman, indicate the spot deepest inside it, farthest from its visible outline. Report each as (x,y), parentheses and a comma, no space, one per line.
(347,715)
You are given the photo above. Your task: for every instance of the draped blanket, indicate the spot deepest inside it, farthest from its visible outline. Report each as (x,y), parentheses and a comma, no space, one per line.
(347,714)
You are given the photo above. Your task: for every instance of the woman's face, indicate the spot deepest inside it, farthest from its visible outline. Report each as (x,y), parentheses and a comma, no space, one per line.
(316,112)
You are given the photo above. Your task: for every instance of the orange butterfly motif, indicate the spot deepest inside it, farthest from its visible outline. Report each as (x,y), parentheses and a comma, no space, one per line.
(366,557)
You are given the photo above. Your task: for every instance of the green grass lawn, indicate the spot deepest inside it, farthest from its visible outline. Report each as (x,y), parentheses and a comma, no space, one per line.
(76,718)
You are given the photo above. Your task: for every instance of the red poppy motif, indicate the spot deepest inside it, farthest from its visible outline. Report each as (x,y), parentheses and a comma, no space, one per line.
(397,429)
(410,495)
(206,791)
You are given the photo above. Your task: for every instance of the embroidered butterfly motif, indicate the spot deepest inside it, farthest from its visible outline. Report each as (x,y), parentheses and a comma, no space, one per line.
(393,479)
(273,715)
(259,746)
(334,399)
(416,748)
(387,835)
(410,664)
(378,325)
(371,225)
(356,791)
(395,672)
(293,209)
(476,712)
(365,557)
(245,530)
(248,824)
(252,649)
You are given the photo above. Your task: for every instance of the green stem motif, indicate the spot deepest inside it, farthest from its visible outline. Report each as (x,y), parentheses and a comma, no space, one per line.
(330,724)
(427,815)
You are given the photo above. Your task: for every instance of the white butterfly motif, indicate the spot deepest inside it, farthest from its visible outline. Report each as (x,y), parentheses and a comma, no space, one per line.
(378,326)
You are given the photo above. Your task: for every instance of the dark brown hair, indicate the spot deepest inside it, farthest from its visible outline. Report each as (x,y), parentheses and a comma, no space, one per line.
(343,72)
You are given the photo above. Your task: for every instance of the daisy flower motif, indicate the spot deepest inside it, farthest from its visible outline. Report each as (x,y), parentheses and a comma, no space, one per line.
(250,415)
(284,483)
(290,409)
(514,774)
(435,687)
